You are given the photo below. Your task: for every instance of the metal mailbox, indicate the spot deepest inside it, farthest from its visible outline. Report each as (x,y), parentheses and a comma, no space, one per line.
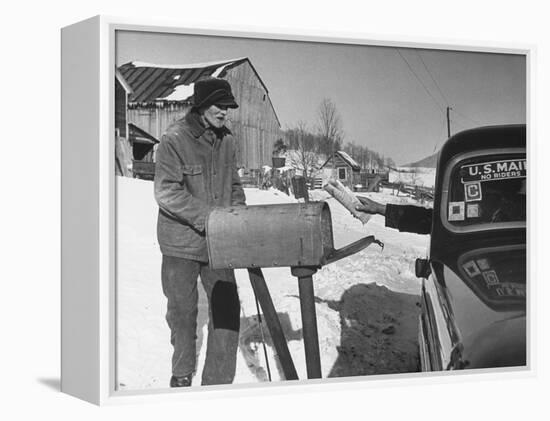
(292,234)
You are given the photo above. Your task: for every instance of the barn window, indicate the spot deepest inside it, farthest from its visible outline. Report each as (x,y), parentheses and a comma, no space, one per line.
(341,173)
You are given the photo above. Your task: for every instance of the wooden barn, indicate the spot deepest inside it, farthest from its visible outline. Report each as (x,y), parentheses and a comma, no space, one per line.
(162,94)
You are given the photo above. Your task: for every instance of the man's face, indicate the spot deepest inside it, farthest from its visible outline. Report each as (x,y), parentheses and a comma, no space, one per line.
(216,115)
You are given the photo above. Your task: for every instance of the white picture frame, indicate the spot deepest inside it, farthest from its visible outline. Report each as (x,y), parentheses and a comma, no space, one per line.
(88,206)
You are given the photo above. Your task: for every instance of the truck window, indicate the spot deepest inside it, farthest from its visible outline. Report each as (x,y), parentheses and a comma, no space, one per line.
(487,190)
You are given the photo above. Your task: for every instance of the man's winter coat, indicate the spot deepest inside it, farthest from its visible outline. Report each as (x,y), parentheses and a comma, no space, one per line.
(195,172)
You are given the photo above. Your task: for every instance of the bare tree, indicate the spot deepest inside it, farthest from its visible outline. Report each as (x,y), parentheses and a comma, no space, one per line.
(305,157)
(389,163)
(330,127)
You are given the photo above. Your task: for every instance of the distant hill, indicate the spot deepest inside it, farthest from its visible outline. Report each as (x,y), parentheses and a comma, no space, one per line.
(428,162)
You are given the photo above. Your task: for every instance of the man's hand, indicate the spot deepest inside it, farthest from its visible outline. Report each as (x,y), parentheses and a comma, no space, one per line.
(370,206)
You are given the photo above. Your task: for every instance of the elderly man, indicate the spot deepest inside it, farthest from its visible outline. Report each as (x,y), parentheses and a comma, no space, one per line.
(195,172)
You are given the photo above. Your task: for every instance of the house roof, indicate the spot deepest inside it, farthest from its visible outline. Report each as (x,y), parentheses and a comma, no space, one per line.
(141,136)
(347,159)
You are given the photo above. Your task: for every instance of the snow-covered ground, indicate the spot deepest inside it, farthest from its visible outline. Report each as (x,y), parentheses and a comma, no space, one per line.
(366,304)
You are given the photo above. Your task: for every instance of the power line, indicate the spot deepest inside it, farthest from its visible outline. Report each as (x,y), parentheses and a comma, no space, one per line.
(433,79)
(420,81)
(441,92)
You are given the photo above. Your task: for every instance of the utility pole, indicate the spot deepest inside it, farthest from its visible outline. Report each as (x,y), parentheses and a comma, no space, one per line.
(334,161)
(449,121)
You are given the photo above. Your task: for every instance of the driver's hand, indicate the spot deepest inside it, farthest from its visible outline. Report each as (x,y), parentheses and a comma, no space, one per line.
(369,206)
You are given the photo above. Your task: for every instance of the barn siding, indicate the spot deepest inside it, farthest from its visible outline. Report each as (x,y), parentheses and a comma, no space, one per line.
(146,117)
(255,124)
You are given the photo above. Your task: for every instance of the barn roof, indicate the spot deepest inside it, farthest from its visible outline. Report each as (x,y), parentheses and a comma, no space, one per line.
(347,159)
(151,82)
(175,82)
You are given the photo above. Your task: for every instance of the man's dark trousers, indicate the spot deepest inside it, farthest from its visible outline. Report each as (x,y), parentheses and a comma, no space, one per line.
(179,284)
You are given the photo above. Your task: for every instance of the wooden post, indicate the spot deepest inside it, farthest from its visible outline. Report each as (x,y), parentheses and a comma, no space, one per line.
(309,320)
(273,324)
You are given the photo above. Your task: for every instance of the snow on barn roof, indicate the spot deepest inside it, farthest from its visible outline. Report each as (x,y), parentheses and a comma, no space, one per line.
(173,82)
(181,93)
(185,92)
(187,65)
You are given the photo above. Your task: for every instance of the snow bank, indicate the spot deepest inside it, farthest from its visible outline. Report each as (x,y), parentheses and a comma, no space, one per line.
(366,304)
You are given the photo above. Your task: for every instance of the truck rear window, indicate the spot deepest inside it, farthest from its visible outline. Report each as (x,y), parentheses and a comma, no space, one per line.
(488,190)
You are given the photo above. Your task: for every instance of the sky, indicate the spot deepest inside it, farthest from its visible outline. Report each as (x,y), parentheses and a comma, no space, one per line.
(392,100)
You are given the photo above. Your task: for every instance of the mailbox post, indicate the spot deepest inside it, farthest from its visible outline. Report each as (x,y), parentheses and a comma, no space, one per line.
(309,320)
